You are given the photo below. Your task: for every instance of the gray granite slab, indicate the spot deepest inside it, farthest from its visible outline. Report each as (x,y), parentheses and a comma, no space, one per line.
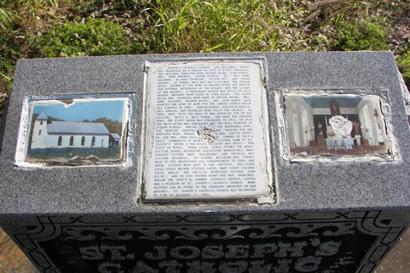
(308,186)
(329,215)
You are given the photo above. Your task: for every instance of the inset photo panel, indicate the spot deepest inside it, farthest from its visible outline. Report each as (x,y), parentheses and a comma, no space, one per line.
(74,132)
(336,125)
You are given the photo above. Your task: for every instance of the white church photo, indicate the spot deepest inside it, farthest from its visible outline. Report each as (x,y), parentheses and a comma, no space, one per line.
(70,134)
(81,129)
(335,125)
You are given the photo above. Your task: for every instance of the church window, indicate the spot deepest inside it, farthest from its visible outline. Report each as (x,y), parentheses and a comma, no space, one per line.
(82,141)
(71,141)
(60,140)
(41,122)
(93,141)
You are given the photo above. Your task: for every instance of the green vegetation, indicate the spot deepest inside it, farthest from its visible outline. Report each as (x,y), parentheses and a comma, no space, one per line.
(360,35)
(404,65)
(226,25)
(60,28)
(94,37)
(112,126)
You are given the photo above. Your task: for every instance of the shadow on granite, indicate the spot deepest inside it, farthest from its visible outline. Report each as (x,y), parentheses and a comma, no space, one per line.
(12,260)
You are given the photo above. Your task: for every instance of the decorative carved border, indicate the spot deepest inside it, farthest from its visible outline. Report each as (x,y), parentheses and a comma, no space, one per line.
(385,226)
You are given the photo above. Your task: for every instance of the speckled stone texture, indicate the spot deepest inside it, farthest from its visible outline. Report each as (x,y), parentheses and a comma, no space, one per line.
(374,195)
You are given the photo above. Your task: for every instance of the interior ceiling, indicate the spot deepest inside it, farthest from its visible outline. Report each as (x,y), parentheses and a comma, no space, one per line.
(324,101)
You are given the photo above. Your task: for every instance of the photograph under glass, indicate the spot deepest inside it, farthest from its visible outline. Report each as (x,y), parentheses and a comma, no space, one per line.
(77,132)
(336,125)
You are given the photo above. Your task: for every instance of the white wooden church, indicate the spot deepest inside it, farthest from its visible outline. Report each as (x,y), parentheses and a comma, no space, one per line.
(71,134)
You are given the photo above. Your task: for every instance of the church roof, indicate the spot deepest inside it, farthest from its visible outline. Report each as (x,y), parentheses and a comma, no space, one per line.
(42,116)
(116,136)
(77,128)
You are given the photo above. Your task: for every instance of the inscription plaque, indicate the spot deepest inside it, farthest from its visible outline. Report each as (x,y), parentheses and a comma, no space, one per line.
(206,130)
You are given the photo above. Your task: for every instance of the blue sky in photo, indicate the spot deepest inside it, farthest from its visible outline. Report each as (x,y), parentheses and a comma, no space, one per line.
(82,110)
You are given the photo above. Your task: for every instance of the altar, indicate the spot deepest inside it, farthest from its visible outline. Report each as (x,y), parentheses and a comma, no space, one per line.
(339,143)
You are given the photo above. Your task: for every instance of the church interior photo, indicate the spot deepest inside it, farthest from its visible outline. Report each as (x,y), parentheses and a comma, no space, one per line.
(335,125)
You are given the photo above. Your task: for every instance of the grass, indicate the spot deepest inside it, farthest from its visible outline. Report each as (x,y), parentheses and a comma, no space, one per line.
(194,26)
(92,37)
(50,28)
(360,35)
(404,65)
(63,154)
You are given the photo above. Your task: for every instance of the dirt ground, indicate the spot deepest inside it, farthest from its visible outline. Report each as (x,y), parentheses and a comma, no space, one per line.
(12,260)
(398,260)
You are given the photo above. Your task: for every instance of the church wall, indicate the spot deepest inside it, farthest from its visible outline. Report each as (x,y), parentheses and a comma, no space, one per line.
(311,125)
(51,141)
(372,126)
(343,111)
(38,140)
(299,118)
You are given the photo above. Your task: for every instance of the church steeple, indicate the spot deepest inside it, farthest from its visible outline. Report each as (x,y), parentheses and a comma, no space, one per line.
(42,116)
